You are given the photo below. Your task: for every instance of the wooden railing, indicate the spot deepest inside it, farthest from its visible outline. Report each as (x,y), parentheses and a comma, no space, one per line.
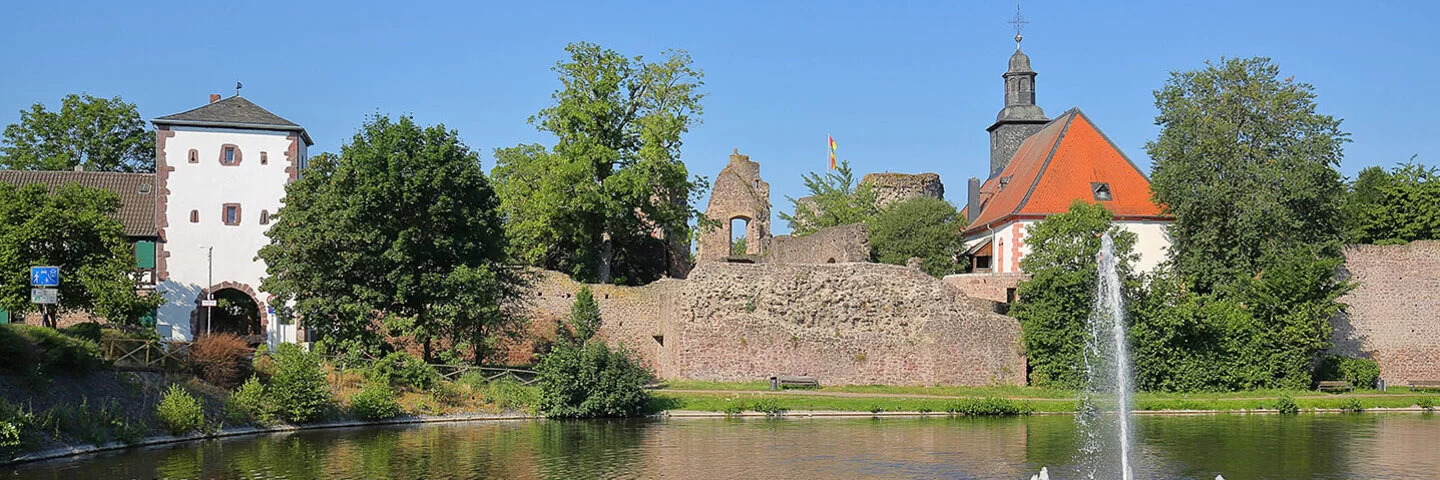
(453,372)
(145,354)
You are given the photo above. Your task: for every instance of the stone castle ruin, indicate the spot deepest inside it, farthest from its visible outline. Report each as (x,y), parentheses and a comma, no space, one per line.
(812,305)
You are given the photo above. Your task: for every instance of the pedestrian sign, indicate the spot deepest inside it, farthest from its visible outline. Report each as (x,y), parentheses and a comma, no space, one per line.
(44,276)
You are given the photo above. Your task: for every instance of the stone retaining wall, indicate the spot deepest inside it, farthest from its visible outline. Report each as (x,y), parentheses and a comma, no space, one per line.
(1394,312)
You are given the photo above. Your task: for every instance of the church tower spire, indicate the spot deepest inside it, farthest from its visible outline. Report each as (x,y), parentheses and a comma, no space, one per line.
(1021,117)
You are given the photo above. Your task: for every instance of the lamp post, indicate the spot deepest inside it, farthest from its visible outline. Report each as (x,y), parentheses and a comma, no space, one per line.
(209,286)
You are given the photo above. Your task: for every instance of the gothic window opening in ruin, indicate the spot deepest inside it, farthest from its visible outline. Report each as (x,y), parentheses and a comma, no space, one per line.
(1102,191)
(739,234)
(660,339)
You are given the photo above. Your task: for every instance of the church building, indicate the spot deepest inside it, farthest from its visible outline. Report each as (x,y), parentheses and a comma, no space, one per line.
(1038,167)
(221,171)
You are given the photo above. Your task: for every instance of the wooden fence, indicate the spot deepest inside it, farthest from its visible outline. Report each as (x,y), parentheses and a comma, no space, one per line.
(138,354)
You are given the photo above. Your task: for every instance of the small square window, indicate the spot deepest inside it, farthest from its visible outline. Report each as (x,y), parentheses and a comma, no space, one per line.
(1102,191)
(231,214)
(264,158)
(229,155)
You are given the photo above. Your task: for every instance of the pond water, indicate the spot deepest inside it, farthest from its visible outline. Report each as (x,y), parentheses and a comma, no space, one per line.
(1391,446)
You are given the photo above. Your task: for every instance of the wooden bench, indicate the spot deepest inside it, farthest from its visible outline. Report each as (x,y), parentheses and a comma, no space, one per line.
(1425,384)
(779,382)
(1334,386)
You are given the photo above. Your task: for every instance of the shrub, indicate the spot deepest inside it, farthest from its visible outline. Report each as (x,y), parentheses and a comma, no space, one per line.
(735,407)
(592,381)
(876,409)
(404,371)
(988,407)
(298,387)
(1351,405)
(179,412)
(221,359)
(31,348)
(1426,403)
(1360,372)
(769,407)
(375,402)
(84,331)
(250,404)
(264,363)
(447,394)
(1286,405)
(14,422)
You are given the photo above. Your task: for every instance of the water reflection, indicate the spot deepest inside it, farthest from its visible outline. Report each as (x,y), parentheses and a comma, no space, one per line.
(1251,447)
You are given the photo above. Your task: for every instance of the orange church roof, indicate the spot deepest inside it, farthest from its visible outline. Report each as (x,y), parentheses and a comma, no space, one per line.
(1066,160)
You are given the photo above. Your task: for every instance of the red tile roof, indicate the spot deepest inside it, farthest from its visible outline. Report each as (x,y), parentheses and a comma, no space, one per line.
(1058,165)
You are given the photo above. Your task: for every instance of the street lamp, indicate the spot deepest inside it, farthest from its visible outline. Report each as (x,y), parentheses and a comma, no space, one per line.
(209,286)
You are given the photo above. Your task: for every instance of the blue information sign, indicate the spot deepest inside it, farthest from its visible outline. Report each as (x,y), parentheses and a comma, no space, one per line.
(45,276)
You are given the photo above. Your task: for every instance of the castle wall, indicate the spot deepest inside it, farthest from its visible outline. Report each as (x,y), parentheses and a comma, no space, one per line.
(839,244)
(891,188)
(1394,312)
(856,323)
(987,286)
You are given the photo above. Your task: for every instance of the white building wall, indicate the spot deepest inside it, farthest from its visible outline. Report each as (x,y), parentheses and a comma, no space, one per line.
(1009,245)
(206,187)
(1152,242)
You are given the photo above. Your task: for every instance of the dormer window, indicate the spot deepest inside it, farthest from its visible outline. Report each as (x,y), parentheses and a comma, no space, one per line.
(1101,191)
(1003,182)
(230,155)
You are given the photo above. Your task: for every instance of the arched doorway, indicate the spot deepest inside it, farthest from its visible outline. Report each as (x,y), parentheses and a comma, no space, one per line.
(234,312)
(739,236)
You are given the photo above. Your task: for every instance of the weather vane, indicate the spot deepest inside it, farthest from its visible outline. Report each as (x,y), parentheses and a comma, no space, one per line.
(1019,23)
(238,86)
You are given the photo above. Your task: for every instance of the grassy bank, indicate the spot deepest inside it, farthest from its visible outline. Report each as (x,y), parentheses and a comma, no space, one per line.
(723,396)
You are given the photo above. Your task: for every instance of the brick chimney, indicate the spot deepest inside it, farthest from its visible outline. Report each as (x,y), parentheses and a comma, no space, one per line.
(214,97)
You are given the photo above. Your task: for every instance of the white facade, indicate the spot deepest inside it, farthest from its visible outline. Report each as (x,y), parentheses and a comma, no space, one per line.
(1008,244)
(198,187)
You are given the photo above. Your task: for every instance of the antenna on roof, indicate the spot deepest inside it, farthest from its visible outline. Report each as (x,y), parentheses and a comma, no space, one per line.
(238,86)
(1019,23)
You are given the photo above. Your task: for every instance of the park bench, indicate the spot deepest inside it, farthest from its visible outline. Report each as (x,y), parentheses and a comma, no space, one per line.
(1425,384)
(790,381)
(1334,386)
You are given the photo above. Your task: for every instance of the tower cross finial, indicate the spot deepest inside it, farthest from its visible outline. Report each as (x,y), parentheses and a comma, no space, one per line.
(1019,23)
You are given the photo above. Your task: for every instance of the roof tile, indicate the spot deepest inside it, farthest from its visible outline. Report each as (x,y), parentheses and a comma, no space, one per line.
(136,190)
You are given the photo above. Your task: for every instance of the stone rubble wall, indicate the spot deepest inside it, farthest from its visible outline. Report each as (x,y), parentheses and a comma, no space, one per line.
(988,286)
(1394,311)
(844,323)
(839,244)
(897,187)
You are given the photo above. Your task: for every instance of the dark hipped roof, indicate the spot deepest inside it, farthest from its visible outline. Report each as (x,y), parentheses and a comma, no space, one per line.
(234,112)
(136,190)
(1058,165)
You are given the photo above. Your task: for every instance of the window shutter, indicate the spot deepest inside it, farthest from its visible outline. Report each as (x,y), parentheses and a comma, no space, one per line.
(144,254)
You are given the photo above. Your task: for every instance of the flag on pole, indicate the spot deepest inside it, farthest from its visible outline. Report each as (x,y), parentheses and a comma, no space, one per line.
(832,151)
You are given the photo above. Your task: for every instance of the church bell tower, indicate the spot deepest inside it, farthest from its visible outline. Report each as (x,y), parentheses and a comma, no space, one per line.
(1020,118)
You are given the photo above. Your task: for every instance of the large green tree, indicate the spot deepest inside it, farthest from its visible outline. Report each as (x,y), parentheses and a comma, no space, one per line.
(835,199)
(925,228)
(401,229)
(1247,167)
(1402,204)
(98,134)
(1054,305)
(607,201)
(74,230)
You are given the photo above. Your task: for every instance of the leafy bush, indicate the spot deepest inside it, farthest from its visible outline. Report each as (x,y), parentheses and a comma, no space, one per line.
(988,407)
(84,331)
(769,407)
(375,402)
(447,394)
(1352,405)
(221,359)
(1286,405)
(179,412)
(298,387)
(250,404)
(404,371)
(31,348)
(1360,372)
(264,363)
(584,317)
(592,381)
(922,227)
(735,407)
(1426,403)
(14,422)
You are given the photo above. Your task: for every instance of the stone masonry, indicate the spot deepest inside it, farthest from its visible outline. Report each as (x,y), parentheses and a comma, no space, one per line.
(897,187)
(839,244)
(844,323)
(738,193)
(1394,312)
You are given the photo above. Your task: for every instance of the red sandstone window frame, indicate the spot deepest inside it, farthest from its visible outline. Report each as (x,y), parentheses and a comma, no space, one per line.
(230,155)
(264,217)
(264,158)
(225,216)
(194,216)
(194,156)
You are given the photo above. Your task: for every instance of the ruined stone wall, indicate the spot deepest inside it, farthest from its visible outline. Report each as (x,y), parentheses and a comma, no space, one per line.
(856,323)
(987,286)
(1394,312)
(738,193)
(839,244)
(897,187)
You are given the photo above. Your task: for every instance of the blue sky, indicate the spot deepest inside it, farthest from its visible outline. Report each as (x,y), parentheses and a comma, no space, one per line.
(902,86)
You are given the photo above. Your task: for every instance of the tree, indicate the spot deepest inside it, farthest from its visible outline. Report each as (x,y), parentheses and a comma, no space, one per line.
(584,319)
(1399,205)
(400,229)
(835,199)
(97,133)
(1054,305)
(72,229)
(607,201)
(592,380)
(1246,166)
(738,247)
(924,227)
